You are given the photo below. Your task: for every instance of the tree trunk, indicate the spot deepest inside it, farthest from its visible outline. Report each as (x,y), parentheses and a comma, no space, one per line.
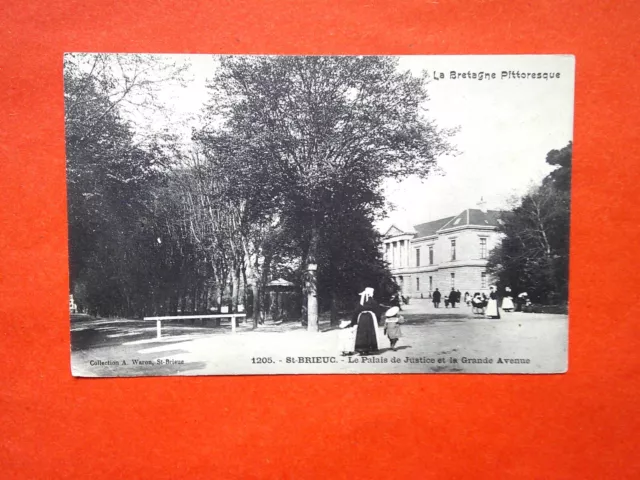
(236,300)
(183,302)
(220,291)
(245,285)
(255,283)
(311,281)
(256,303)
(194,298)
(244,296)
(334,308)
(207,298)
(266,271)
(303,303)
(175,301)
(232,289)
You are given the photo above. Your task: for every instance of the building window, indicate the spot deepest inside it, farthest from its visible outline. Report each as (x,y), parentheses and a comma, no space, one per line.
(430,254)
(453,281)
(453,249)
(430,284)
(483,248)
(417,257)
(417,284)
(483,280)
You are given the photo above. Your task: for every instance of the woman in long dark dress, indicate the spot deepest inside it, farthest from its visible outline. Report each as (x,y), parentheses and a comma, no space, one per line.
(366,318)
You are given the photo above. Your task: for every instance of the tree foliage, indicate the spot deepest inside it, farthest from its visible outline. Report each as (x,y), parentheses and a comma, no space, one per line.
(287,170)
(113,183)
(533,255)
(317,136)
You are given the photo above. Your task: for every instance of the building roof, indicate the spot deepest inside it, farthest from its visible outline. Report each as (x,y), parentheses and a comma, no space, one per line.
(473,217)
(489,217)
(430,228)
(470,217)
(280,282)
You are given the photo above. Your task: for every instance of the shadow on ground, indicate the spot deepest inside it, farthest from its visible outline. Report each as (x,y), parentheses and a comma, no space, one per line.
(96,333)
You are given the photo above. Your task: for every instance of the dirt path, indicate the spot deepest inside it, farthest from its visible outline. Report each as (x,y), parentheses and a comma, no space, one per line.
(453,341)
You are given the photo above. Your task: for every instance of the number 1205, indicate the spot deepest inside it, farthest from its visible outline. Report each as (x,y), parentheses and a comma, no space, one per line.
(261,360)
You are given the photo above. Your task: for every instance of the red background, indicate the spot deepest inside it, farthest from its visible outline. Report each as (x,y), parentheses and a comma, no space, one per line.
(579,425)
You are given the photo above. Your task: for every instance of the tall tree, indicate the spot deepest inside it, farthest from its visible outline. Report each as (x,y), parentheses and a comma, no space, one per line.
(112,186)
(351,260)
(255,232)
(320,132)
(533,255)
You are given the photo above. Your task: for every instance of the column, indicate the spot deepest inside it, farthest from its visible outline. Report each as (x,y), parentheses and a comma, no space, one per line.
(394,248)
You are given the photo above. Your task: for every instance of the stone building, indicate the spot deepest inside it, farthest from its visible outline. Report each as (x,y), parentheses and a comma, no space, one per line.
(447,253)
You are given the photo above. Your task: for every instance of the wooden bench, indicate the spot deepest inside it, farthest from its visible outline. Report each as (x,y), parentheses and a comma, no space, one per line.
(232,316)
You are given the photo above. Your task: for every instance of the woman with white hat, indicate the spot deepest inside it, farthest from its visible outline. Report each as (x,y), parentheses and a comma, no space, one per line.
(366,319)
(507,301)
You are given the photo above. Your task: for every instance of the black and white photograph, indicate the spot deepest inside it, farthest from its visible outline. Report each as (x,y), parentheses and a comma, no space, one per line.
(272,214)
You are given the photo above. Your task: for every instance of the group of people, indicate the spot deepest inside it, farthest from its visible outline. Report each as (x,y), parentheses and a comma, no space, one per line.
(480,300)
(488,304)
(484,304)
(452,299)
(362,335)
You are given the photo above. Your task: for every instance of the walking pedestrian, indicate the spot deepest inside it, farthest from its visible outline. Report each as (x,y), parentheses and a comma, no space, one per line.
(392,326)
(523,301)
(365,318)
(507,301)
(436,298)
(453,298)
(492,305)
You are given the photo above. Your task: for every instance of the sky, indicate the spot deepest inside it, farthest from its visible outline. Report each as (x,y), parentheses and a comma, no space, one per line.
(506,127)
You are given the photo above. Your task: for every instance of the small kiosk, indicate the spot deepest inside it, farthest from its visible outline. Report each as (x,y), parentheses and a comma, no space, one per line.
(281,299)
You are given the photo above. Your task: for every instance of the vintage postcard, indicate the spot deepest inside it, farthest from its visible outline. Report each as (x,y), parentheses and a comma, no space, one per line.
(262,214)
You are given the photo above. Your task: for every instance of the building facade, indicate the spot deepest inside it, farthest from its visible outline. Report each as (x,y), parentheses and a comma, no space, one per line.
(448,253)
